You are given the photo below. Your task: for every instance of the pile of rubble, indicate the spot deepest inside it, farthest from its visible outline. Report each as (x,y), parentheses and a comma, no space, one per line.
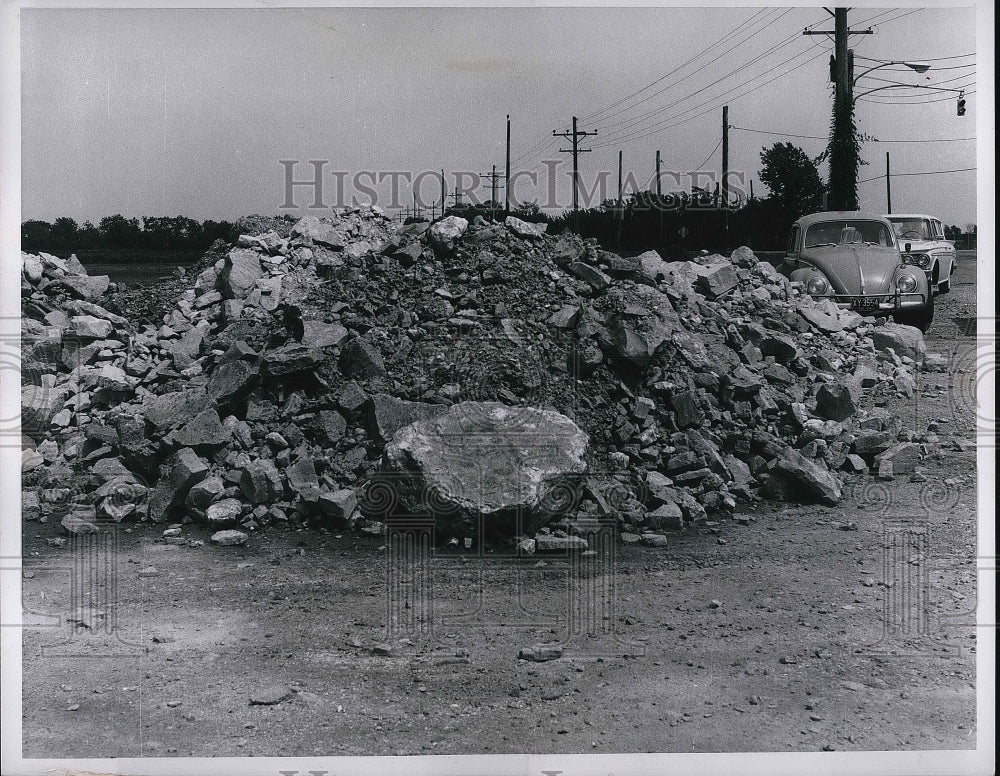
(338,371)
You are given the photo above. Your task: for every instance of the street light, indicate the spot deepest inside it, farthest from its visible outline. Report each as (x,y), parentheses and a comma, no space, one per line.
(915,67)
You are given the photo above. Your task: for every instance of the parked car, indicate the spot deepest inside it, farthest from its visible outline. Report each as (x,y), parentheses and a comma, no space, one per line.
(854,259)
(927,247)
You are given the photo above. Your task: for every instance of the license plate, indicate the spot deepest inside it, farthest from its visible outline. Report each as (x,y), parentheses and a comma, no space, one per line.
(865,303)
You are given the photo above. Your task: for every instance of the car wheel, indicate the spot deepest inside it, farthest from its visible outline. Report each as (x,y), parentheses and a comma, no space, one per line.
(921,317)
(945,287)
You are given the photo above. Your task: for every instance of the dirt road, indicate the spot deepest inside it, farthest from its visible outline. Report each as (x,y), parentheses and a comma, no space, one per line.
(787,629)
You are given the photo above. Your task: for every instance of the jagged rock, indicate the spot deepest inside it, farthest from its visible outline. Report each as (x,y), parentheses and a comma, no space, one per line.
(387,414)
(653,267)
(813,480)
(360,358)
(870,443)
(566,317)
(231,381)
(31,266)
(260,482)
(837,400)
(445,234)
(87,287)
(666,516)
(317,334)
(290,360)
(178,474)
(332,426)
(202,494)
(744,257)
(687,410)
(904,457)
(524,229)
(486,459)
(204,432)
(302,479)
(642,321)
(229,538)
(904,341)
(172,409)
(224,512)
(718,279)
(590,275)
(39,406)
(80,521)
(340,504)
(321,232)
(240,274)
(550,543)
(90,327)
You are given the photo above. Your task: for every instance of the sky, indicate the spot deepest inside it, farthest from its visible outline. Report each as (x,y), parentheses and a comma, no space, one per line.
(192,112)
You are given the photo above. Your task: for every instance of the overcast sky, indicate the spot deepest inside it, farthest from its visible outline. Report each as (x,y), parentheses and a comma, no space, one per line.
(190,112)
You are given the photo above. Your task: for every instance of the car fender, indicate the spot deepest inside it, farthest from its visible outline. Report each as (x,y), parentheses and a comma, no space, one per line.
(804,274)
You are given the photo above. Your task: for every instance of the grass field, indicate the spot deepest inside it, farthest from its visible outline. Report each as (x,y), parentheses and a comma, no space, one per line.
(136,267)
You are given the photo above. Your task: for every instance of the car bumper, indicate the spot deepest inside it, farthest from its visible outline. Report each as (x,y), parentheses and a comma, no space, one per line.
(868,304)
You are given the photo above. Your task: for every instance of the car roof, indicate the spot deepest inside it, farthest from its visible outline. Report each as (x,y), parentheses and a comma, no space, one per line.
(837,215)
(891,216)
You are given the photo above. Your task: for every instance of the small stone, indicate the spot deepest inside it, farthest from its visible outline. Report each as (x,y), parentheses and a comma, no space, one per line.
(229,538)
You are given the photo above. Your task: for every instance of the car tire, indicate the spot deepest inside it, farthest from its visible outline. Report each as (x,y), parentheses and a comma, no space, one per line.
(921,318)
(945,287)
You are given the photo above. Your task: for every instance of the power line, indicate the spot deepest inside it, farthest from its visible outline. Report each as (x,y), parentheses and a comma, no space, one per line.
(680,67)
(922,59)
(654,128)
(874,140)
(929,172)
(710,62)
(738,71)
(902,99)
(709,156)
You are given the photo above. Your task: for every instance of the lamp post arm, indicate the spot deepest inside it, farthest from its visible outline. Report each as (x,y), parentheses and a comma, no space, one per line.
(907,86)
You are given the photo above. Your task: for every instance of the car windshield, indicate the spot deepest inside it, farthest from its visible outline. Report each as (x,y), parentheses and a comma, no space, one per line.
(844,232)
(913,228)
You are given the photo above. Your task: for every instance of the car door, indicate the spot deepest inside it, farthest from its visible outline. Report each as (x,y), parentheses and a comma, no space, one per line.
(791,261)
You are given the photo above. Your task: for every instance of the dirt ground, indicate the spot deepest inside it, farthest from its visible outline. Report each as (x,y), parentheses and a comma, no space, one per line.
(792,628)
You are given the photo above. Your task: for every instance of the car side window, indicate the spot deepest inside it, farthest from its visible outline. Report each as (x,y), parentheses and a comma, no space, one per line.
(793,242)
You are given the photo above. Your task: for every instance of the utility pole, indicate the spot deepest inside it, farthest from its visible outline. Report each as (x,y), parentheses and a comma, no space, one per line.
(621,204)
(493,189)
(888,186)
(444,195)
(843,148)
(457,196)
(506,188)
(576,151)
(659,197)
(725,172)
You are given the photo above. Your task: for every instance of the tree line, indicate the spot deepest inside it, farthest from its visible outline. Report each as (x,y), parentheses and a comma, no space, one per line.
(116,233)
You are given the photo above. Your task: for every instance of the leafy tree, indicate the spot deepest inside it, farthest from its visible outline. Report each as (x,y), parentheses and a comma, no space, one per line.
(792,179)
(120,232)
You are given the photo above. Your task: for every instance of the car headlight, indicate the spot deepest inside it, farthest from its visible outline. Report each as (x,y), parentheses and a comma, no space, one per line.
(906,284)
(921,260)
(817,285)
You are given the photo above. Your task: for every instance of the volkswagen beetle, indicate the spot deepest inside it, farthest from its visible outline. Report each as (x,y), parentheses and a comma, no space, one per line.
(855,260)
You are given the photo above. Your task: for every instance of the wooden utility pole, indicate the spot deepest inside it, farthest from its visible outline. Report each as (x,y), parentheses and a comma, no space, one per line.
(621,203)
(843,151)
(888,186)
(575,135)
(444,194)
(506,188)
(493,189)
(725,173)
(659,195)
(457,196)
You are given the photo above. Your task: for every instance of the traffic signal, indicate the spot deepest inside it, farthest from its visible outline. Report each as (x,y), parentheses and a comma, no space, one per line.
(961,104)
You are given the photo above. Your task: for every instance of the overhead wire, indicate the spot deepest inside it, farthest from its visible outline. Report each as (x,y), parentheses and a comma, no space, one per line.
(684,64)
(906,174)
